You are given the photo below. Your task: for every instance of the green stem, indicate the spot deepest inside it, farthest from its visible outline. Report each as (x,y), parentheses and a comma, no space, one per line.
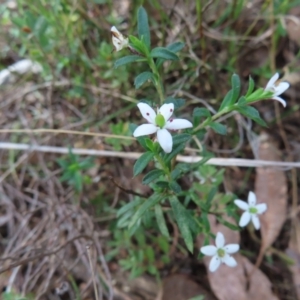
(158,82)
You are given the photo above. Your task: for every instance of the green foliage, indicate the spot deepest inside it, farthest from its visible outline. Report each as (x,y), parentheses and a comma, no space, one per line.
(143,27)
(127,60)
(121,128)
(142,78)
(161,52)
(72,169)
(142,162)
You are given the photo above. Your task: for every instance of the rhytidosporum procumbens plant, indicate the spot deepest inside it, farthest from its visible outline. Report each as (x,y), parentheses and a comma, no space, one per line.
(164,136)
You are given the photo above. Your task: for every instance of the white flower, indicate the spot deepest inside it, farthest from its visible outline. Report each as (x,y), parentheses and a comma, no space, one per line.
(159,123)
(252,210)
(277,89)
(118,39)
(220,253)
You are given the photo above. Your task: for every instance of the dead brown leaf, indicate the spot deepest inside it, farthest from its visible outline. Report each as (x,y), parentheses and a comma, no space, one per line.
(270,188)
(232,283)
(293,251)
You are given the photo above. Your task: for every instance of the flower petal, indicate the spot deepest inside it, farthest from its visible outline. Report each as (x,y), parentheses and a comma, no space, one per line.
(245,219)
(232,248)
(220,240)
(214,263)
(261,208)
(282,101)
(229,261)
(165,140)
(176,124)
(251,198)
(255,221)
(209,250)
(167,110)
(281,88)
(241,204)
(271,84)
(147,112)
(145,129)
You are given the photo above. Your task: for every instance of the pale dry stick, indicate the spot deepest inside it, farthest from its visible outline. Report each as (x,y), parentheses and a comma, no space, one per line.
(63,131)
(92,270)
(12,279)
(135,155)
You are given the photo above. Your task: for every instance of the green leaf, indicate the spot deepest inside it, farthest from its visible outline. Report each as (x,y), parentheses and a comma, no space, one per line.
(251,113)
(129,206)
(161,222)
(161,52)
(176,150)
(143,26)
(181,217)
(236,88)
(138,45)
(178,102)
(227,224)
(142,163)
(256,95)
(174,47)
(250,87)
(242,100)
(218,128)
(153,200)
(162,184)
(181,138)
(226,101)
(152,175)
(142,78)
(175,187)
(198,113)
(127,60)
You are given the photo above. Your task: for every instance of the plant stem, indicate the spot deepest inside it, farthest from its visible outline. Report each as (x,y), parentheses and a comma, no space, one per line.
(158,82)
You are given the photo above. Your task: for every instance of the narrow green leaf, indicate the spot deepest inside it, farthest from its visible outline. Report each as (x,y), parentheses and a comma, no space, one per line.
(152,175)
(227,224)
(256,95)
(127,60)
(161,222)
(162,184)
(142,163)
(218,128)
(143,26)
(142,78)
(181,138)
(250,87)
(226,101)
(236,87)
(161,52)
(153,200)
(251,113)
(198,113)
(129,206)
(138,45)
(242,100)
(178,102)
(176,150)
(175,187)
(174,47)
(181,217)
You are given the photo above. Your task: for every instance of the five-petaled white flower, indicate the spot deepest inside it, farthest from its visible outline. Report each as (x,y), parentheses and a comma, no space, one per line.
(252,210)
(118,39)
(220,253)
(159,123)
(277,89)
